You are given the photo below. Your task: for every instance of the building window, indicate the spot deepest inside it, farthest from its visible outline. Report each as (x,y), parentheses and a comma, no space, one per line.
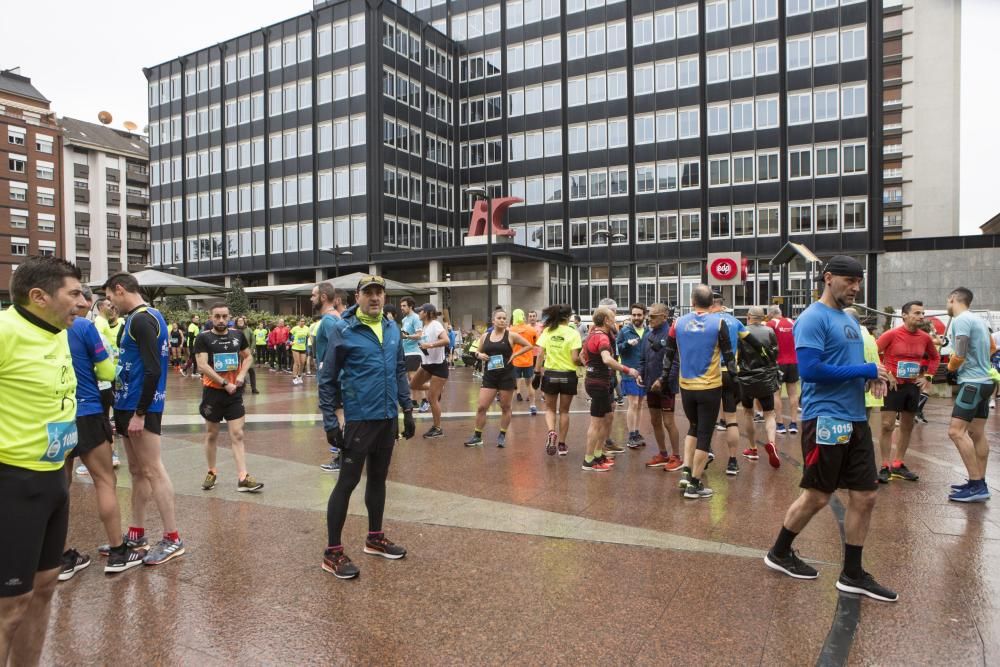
(666,176)
(718,172)
(799,163)
(798,53)
(799,108)
(690,225)
(852,44)
(718,119)
(742,116)
(767,113)
(687,21)
(688,124)
(690,175)
(717,67)
(716,16)
(825,49)
(742,169)
(825,105)
(687,72)
(18,164)
(743,222)
(855,216)
(768,223)
(741,63)
(855,158)
(826,163)
(854,101)
(827,217)
(719,224)
(800,218)
(767,59)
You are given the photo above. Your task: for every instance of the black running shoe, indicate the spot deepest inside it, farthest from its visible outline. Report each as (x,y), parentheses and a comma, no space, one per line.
(866,585)
(72,562)
(884,475)
(126,559)
(475,441)
(434,432)
(902,472)
(732,468)
(791,565)
(339,565)
(378,545)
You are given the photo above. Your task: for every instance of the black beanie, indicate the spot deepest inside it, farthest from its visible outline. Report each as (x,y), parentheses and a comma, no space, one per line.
(842,265)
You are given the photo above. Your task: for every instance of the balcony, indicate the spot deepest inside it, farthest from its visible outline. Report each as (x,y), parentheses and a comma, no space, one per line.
(135,245)
(137,221)
(114,245)
(81,195)
(136,200)
(137,175)
(892,149)
(892,174)
(83,243)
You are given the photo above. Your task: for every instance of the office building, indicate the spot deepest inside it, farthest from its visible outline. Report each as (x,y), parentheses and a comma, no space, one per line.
(30,174)
(657,132)
(107,217)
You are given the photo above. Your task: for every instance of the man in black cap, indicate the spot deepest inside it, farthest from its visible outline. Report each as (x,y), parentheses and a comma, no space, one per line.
(837,448)
(364,373)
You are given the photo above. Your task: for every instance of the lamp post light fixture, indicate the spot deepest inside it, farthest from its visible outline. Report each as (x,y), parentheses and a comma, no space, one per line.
(611,238)
(337,254)
(485,193)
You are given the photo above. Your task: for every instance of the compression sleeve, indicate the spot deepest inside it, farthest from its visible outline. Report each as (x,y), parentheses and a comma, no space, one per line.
(669,352)
(933,357)
(961,349)
(813,369)
(104,370)
(726,348)
(145,330)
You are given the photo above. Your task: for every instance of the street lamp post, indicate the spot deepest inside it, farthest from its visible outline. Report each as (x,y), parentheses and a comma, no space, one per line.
(337,254)
(617,236)
(485,193)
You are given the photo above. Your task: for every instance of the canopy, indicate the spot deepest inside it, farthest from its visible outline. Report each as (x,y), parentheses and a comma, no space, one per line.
(347,282)
(155,284)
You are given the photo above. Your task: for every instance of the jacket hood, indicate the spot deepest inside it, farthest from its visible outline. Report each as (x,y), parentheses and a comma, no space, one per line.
(517,316)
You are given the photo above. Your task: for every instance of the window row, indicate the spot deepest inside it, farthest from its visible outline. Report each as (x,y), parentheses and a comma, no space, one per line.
(288,97)
(43,196)
(826,48)
(400,40)
(44,222)
(826,104)
(793,7)
(165,130)
(244,109)
(722,14)
(200,79)
(827,160)
(209,119)
(743,116)
(822,217)
(401,88)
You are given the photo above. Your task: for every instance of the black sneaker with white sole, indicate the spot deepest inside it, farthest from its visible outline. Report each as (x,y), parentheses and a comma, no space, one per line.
(791,565)
(123,559)
(434,432)
(72,562)
(866,585)
(378,545)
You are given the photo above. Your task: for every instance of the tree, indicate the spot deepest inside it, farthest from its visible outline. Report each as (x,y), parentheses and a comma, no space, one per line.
(239,304)
(176,303)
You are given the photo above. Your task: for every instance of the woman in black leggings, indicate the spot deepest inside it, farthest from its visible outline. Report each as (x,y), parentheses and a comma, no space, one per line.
(495,351)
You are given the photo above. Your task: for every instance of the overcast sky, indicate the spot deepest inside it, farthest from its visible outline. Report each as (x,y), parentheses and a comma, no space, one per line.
(88,56)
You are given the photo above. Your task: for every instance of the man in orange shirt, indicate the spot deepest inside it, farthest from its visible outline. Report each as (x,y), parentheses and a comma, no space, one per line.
(524,365)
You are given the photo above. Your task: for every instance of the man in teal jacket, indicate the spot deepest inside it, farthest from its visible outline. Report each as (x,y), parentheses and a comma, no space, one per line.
(364,372)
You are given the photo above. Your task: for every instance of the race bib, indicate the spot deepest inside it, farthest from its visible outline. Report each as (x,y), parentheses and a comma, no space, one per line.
(227,361)
(833,431)
(62,439)
(495,362)
(907,370)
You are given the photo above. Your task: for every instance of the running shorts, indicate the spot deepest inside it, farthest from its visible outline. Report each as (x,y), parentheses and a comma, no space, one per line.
(218,404)
(501,380)
(972,401)
(631,387)
(524,372)
(766,402)
(33,523)
(559,382)
(154,421)
(730,394)
(789,373)
(437,370)
(413,362)
(904,398)
(93,430)
(600,399)
(658,401)
(701,407)
(850,466)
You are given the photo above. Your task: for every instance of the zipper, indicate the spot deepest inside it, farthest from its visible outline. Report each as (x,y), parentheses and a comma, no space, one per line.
(371,334)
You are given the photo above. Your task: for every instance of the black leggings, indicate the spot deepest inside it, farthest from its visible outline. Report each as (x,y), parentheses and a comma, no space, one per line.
(370,441)
(701,407)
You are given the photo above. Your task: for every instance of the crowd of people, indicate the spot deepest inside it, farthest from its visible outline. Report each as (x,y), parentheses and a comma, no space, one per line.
(93,374)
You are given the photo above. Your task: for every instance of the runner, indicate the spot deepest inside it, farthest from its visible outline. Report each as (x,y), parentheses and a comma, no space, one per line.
(193,329)
(93,363)
(600,365)
(497,352)
(241,325)
(758,378)
(176,341)
(970,364)
(329,302)
(555,372)
(299,341)
(260,333)
(37,429)
(278,341)
(661,402)
(629,343)
(311,346)
(730,386)
(139,399)
(912,358)
(224,357)
(433,372)
(871,357)
(363,353)
(788,368)
(410,327)
(837,448)
(995,360)
(524,365)
(701,339)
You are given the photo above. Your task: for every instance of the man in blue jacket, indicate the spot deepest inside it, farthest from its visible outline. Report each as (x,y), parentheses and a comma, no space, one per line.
(661,402)
(629,343)
(363,372)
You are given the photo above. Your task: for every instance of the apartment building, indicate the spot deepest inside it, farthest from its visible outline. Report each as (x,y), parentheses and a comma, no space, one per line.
(31,222)
(107,217)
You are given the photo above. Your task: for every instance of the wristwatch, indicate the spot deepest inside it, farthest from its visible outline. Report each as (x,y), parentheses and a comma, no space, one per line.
(225,383)
(140,413)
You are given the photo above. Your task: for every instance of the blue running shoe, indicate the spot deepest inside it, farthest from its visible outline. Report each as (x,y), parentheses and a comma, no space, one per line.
(976,492)
(959,487)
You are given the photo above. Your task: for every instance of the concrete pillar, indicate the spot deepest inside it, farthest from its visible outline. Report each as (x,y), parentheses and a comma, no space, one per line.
(435,278)
(272,278)
(373,269)
(503,282)
(227,281)
(320,275)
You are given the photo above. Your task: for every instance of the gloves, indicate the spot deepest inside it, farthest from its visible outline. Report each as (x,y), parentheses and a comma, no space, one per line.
(536,381)
(952,377)
(409,426)
(335,437)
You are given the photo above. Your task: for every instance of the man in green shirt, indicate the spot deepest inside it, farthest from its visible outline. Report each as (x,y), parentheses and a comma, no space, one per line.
(37,431)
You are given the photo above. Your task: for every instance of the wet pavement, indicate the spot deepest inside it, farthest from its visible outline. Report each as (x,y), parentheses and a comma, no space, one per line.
(519,558)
